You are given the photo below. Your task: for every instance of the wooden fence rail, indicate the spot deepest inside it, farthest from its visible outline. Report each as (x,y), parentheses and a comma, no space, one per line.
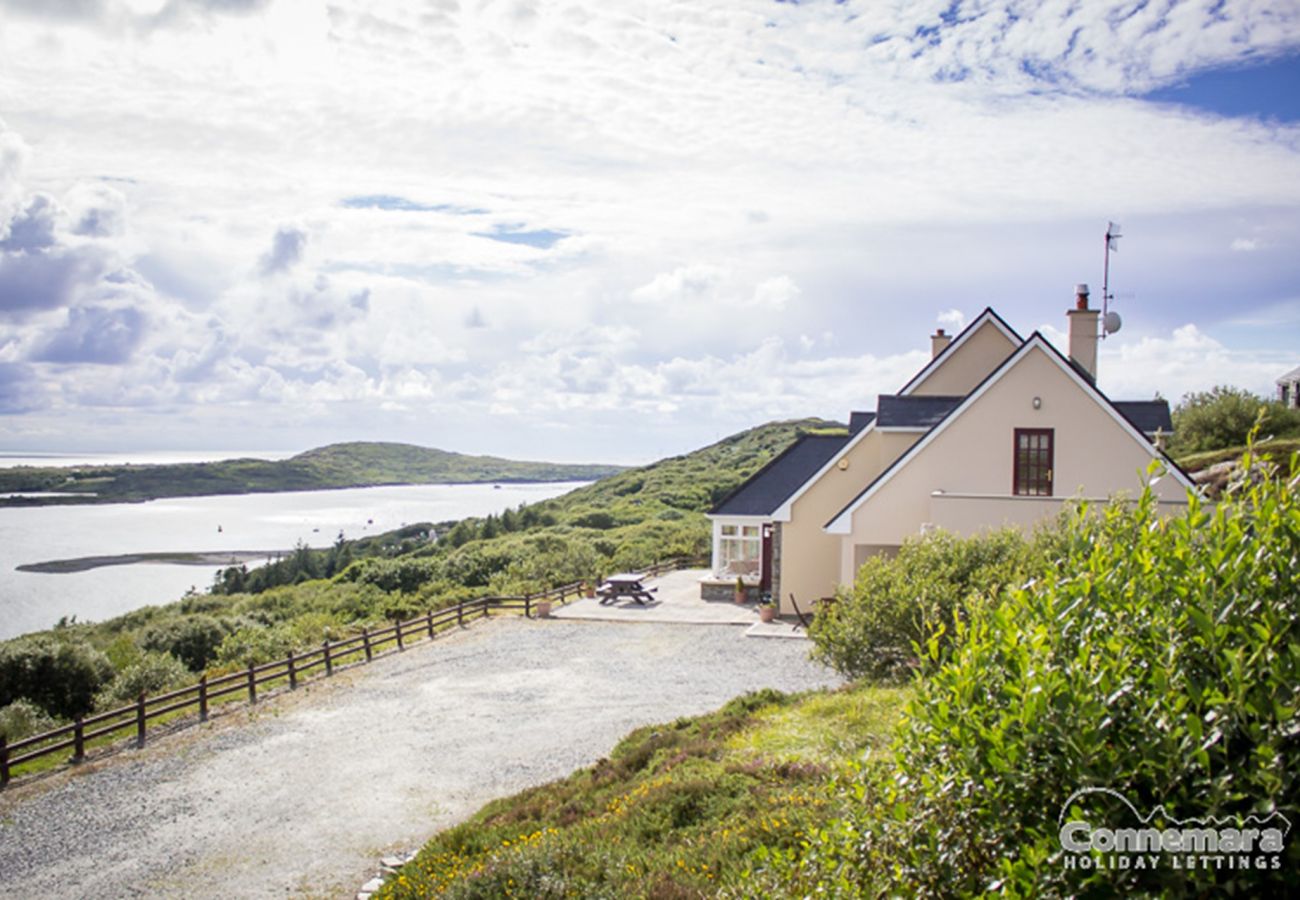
(293,668)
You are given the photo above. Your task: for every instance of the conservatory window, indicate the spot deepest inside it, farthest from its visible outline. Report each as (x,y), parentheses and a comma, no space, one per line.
(740,549)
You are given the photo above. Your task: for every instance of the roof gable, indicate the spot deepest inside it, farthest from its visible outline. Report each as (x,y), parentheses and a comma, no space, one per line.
(841,523)
(764,491)
(987,319)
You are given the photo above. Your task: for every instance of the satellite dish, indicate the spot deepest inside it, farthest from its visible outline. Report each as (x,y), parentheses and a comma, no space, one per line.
(1111,322)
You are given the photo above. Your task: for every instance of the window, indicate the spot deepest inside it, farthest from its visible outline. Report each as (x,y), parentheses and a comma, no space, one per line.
(740,550)
(1032,471)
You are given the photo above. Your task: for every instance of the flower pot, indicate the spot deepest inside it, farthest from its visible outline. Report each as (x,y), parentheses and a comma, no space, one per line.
(543,609)
(588,590)
(739,597)
(766,613)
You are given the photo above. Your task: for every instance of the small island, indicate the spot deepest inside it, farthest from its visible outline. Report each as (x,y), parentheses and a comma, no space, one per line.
(346,465)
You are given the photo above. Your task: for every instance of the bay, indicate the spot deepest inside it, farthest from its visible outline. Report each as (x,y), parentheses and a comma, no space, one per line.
(32,601)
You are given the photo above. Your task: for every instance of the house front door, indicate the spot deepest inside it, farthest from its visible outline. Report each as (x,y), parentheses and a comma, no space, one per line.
(765,578)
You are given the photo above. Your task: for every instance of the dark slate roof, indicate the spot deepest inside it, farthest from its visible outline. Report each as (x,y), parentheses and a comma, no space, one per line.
(860,420)
(771,485)
(912,411)
(1148,416)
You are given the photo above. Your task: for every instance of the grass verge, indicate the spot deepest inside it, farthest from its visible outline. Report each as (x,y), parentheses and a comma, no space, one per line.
(677,810)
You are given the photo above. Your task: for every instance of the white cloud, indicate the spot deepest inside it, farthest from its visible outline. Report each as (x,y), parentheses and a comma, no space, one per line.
(954,319)
(1182,362)
(737,212)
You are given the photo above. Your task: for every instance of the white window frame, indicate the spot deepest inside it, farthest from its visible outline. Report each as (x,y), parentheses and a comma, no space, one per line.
(746,531)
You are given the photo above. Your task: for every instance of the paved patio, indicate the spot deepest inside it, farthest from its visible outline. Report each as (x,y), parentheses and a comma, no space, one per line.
(677,601)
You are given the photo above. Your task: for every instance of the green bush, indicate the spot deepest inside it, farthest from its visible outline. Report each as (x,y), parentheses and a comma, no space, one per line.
(61,677)
(153,673)
(192,639)
(402,574)
(900,603)
(256,644)
(1161,663)
(23,718)
(1223,418)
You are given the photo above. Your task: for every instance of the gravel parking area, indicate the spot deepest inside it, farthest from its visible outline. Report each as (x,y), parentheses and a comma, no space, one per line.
(302,794)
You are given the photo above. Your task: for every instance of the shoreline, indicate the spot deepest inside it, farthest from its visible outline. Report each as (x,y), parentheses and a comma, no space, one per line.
(218,558)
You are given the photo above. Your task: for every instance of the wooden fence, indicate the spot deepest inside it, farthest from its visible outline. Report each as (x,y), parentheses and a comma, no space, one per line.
(295,667)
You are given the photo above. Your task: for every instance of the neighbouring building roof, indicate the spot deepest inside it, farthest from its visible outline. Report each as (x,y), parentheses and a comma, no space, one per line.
(860,420)
(1289,377)
(769,487)
(913,411)
(1148,416)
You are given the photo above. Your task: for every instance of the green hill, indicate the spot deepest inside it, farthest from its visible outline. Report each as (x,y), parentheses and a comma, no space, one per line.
(361,464)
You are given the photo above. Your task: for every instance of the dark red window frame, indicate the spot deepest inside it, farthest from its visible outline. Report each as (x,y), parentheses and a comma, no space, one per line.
(1033,458)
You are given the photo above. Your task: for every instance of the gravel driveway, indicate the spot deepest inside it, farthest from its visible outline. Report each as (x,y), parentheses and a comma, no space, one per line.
(303,793)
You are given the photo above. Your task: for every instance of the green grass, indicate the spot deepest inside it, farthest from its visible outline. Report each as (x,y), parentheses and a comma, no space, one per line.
(681,809)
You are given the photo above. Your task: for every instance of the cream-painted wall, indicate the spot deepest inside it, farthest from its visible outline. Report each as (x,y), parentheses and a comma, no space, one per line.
(1093,456)
(968,365)
(810,558)
(968,514)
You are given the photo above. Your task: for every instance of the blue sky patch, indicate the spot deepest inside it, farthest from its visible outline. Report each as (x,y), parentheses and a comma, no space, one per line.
(1269,90)
(401,204)
(542,238)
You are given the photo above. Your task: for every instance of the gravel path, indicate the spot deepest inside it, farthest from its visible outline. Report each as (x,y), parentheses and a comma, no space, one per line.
(301,795)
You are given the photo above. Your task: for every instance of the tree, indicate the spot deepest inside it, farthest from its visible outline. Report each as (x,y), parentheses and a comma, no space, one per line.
(1223,417)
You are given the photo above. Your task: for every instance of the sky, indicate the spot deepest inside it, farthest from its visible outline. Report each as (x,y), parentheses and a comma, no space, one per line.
(613,231)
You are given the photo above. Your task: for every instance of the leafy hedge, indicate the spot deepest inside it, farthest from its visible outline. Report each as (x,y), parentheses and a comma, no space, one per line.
(901,603)
(1161,662)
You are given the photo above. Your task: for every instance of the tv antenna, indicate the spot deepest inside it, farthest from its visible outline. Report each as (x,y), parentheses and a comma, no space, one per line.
(1110,321)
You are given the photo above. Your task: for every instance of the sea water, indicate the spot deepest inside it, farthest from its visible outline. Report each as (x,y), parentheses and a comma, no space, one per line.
(32,601)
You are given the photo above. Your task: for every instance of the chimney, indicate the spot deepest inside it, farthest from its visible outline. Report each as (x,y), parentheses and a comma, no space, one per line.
(939,342)
(1083,333)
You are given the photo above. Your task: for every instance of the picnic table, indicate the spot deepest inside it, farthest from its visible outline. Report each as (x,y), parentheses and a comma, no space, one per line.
(625,584)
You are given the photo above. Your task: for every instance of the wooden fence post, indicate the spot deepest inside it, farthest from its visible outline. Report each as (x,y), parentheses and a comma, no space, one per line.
(4,761)
(293,672)
(329,663)
(365,640)
(203,697)
(78,741)
(252,684)
(428,617)
(139,720)
(399,634)
(528,606)
(460,613)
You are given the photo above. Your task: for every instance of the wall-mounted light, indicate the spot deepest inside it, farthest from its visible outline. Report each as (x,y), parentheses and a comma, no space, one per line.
(1038,403)
(843,464)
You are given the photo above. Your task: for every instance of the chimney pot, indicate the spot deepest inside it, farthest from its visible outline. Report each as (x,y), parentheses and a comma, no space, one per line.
(1081,296)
